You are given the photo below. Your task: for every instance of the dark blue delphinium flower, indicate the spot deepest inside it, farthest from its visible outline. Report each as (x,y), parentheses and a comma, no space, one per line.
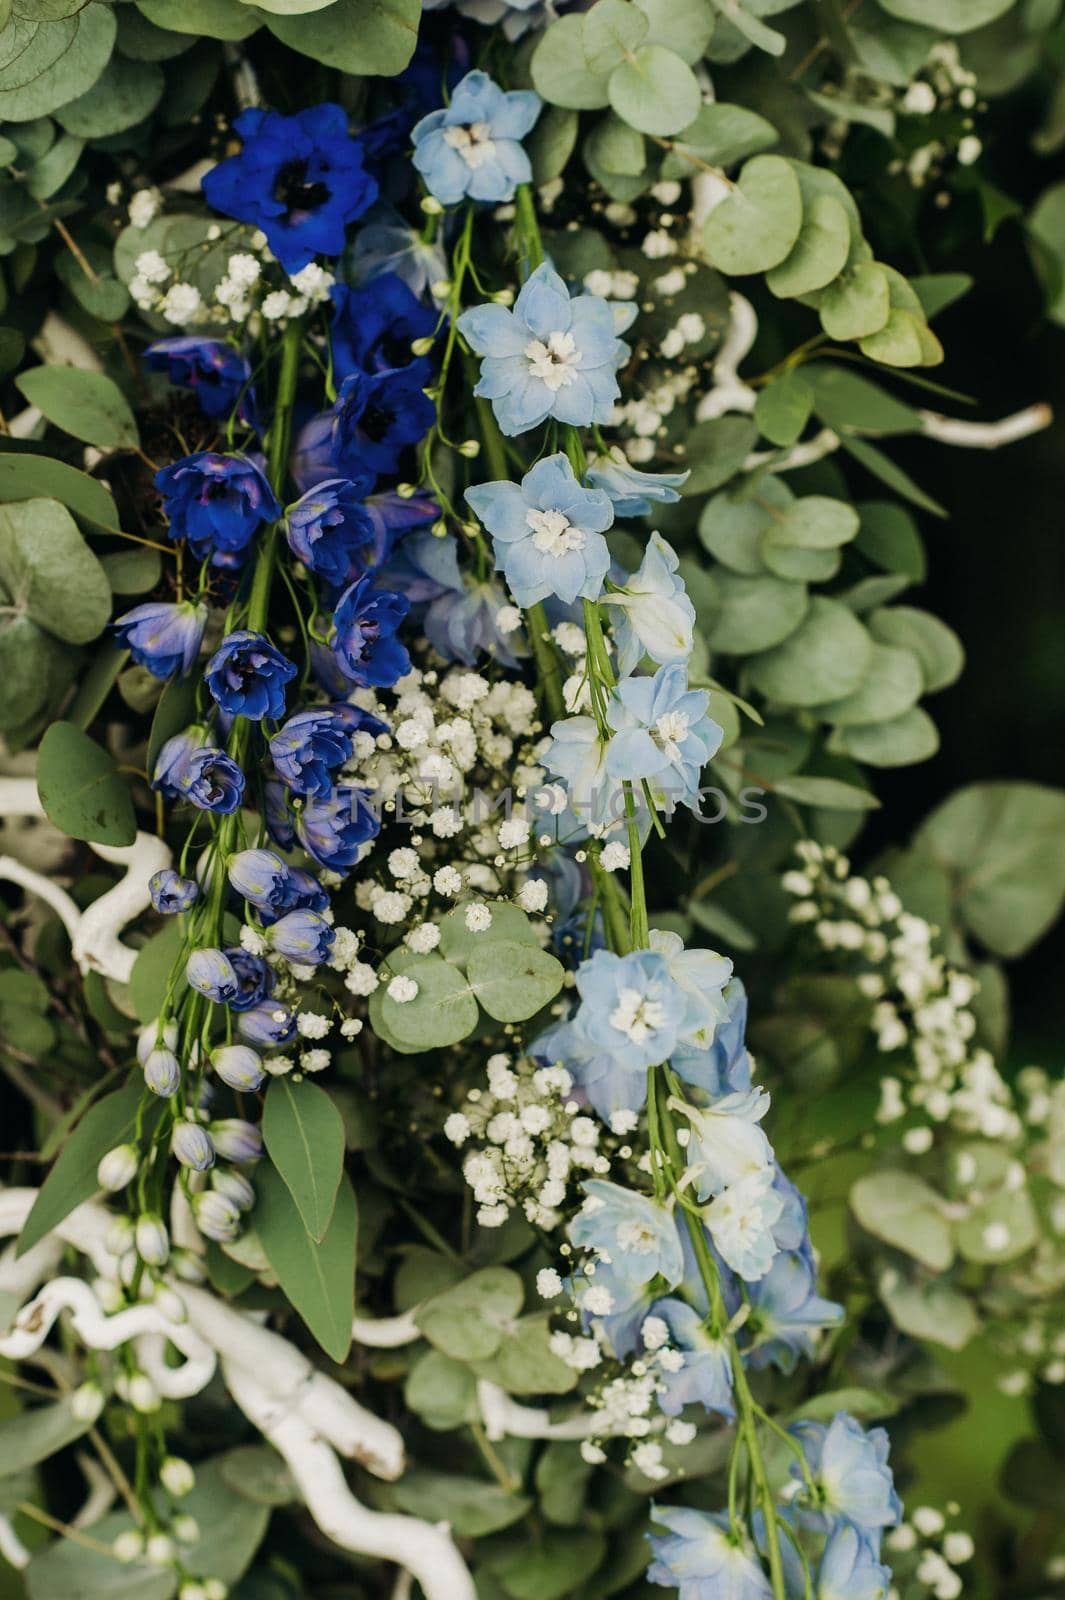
(309,747)
(366,647)
(254,979)
(219,375)
(261,877)
(375,325)
(205,776)
(300,179)
(331,531)
(331,831)
(163,636)
(171,892)
(218,503)
(247,676)
(377,415)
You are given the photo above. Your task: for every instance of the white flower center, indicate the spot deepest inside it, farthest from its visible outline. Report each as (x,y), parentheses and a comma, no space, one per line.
(637,1237)
(636,1016)
(554,362)
(473,142)
(670,731)
(553,533)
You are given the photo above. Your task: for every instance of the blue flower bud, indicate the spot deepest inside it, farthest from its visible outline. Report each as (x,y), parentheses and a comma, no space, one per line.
(235,1187)
(152,1239)
(309,748)
(192,1146)
(259,876)
(163,636)
(302,936)
(216,1216)
(162,1073)
(210,972)
(269,1023)
(236,1140)
(238,1066)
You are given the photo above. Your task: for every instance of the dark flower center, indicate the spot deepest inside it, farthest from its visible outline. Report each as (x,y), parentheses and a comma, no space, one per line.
(375,423)
(298,193)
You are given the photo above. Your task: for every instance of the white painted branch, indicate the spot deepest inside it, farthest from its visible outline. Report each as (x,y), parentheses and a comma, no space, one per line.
(986,435)
(729,392)
(386,1333)
(94,933)
(11,1546)
(800,455)
(426,1551)
(502,1416)
(174,1383)
(101,1495)
(22,1276)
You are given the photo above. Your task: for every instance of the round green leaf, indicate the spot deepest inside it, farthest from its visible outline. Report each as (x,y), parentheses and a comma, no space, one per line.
(756,225)
(905,1212)
(457,942)
(471,1507)
(655,92)
(513,981)
(49,572)
(826,657)
(948,16)
(124,94)
(355,36)
(469,1320)
(560,71)
(42,80)
(612,30)
(857,304)
(27,660)
(815,522)
(81,789)
(683,26)
(902,742)
(783,408)
(818,255)
(210,19)
(720,136)
(892,685)
(443,1011)
(937,647)
(755,613)
(733,522)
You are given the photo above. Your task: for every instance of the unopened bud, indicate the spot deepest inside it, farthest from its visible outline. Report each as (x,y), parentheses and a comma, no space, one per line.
(186,1530)
(406,491)
(153,1241)
(87,1402)
(431,206)
(160,1550)
(118,1167)
(439,528)
(470,448)
(215,1589)
(128,1546)
(422,347)
(503,297)
(177,1476)
(143,1395)
(440,289)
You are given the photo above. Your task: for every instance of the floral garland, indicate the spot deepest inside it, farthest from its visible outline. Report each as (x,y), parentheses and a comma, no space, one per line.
(689,1269)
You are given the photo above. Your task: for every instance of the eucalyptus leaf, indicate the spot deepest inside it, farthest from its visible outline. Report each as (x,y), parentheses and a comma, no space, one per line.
(49,572)
(355,36)
(470,1320)
(655,91)
(755,227)
(825,657)
(317,1277)
(304,1137)
(88,405)
(81,788)
(905,1212)
(513,981)
(900,742)
(72,1179)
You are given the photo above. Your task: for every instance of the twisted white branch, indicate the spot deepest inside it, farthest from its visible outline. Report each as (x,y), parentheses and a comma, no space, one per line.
(94,933)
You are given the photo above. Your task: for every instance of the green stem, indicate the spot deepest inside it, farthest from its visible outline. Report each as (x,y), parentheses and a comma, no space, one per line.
(529,227)
(277,462)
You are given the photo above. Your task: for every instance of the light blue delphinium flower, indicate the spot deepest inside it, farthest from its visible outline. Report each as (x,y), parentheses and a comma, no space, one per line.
(608,1086)
(726,1143)
(740,1223)
(630,489)
(578,755)
(471,148)
(551,356)
(548,532)
(662,733)
(850,1567)
(654,615)
(787,1314)
(631,1006)
(725,1065)
(702,1558)
(636,1235)
(703,975)
(706,1376)
(850,1468)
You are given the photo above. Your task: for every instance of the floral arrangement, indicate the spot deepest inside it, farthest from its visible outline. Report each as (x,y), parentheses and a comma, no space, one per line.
(435,989)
